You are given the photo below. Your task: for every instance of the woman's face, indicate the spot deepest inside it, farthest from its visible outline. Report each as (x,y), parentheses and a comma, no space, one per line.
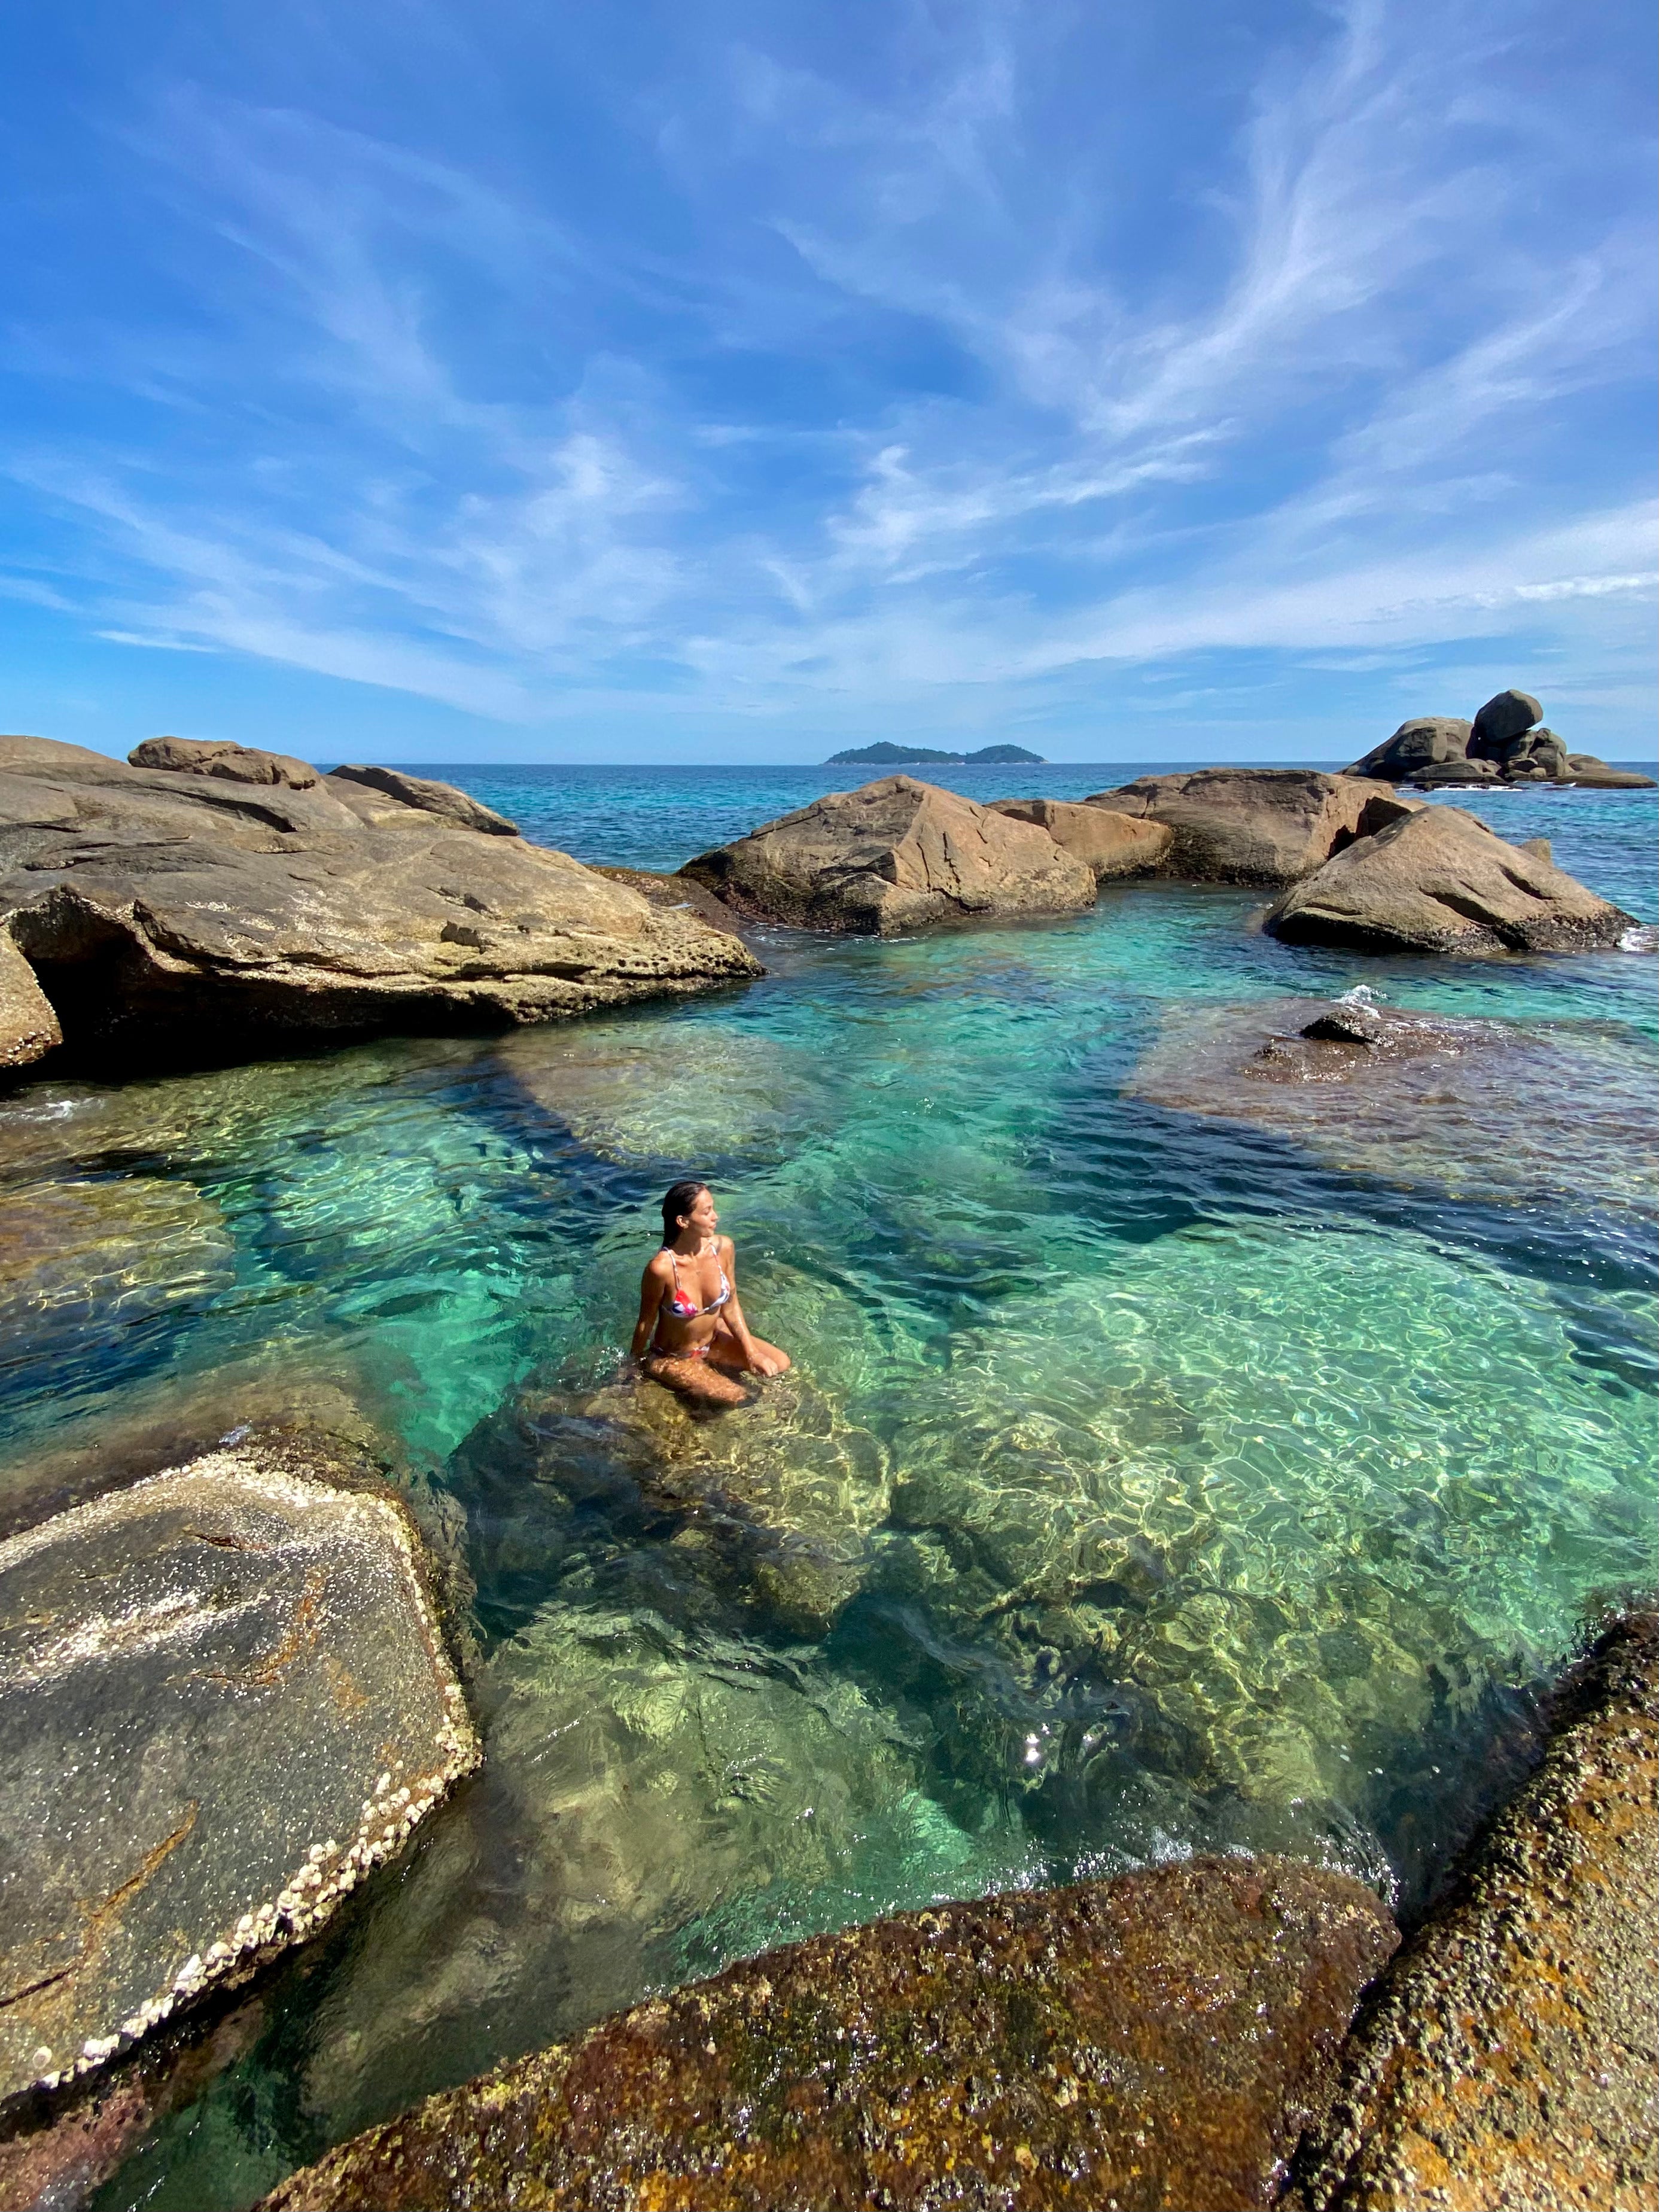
(702,1220)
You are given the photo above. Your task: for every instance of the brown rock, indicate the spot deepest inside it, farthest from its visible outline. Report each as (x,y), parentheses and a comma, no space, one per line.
(29,1022)
(226,1702)
(1160,2039)
(170,916)
(1445,773)
(679,894)
(1596,775)
(1427,741)
(1111,844)
(1255,825)
(428,797)
(1510,2056)
(218,756)
(1440,881)
(897,854)
(1506,716)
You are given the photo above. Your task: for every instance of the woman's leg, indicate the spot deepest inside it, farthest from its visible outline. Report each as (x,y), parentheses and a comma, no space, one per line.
(699,1379)
(725,1351)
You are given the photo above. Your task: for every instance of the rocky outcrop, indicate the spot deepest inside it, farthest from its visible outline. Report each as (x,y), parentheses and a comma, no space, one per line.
(219,757)
(1253,825)
(1111,844)
(429,798)
(225,1701)
(1425,742)
(1161,2038)
(1587,771)
(1509,2055)
(1440,881)
(1504,743)
(171,915)
(897,854)
(1505,717)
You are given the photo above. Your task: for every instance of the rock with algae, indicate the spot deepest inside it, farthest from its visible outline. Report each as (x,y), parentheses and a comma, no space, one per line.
(1163,2039)
(774,1502)
(1509,2057)
(225,1701)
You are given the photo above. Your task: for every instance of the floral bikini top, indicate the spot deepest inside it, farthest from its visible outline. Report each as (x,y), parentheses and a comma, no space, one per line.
(684,1308)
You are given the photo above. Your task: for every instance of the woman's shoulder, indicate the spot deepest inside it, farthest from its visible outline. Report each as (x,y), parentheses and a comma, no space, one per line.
(659,1263)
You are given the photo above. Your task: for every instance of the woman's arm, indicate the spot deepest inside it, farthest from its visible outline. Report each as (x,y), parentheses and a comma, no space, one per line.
(651,1290)
(753,1356)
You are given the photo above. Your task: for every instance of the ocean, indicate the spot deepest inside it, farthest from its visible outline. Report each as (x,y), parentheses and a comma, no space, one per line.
(1195,1479)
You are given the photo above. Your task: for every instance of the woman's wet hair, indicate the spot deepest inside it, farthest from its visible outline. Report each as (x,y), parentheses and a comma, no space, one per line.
(679,1198)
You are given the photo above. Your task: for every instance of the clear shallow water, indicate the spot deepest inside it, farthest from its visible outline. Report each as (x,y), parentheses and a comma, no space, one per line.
(1191,1483)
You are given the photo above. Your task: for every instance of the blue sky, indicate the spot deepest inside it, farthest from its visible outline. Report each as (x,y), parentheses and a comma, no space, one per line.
(497,381)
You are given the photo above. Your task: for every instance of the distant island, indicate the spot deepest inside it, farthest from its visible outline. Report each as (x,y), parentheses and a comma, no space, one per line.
(891,756)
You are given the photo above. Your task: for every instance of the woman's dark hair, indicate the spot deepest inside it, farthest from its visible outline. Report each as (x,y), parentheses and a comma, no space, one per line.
(679,1198)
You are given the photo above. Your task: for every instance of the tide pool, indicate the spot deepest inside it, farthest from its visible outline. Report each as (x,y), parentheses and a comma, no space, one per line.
(1187,1483)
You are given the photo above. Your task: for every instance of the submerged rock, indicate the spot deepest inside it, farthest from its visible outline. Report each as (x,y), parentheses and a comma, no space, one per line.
(654,1801)
(168,914)
(1159,2040)
(1111,844)
(225,1701)
(1440,881)
(897,854)
(1255,825)
(773,1504)
(1509,2057)
(1477,1107)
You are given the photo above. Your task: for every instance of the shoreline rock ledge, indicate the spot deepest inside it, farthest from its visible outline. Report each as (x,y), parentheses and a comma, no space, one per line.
(1163,2039)
(1508,2056)
(227,1699)
(895,854)
(225,902)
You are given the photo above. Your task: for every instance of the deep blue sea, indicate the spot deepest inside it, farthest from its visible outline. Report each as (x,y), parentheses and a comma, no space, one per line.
(1205,1478)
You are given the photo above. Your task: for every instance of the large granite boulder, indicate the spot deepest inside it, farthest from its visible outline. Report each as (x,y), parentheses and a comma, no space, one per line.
(1426,741)
(897,854)
(226,1700)
(1160,2039)
(1536,756)
(1254,826)
(169,915)
(219,756)
(1440,881)
(1111,844)
(1505,717)
(1510,2055)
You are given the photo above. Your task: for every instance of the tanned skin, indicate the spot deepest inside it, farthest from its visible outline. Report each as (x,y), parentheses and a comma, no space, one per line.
(667,1347)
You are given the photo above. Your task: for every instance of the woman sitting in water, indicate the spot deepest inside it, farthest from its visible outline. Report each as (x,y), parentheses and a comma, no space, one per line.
(691,1333)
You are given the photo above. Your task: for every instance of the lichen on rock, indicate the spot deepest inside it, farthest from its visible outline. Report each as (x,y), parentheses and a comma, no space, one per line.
(226,1700)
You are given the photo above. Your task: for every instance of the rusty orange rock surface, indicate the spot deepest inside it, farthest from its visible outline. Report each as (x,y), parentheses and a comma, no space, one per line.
(1161,2039)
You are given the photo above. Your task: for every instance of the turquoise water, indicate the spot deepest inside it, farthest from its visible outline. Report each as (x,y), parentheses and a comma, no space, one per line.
(1151,1478)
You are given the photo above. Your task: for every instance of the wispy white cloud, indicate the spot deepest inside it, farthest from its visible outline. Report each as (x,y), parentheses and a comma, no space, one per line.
(891,393)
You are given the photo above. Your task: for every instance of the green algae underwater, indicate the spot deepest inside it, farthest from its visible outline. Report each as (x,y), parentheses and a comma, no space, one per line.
(1151,1478)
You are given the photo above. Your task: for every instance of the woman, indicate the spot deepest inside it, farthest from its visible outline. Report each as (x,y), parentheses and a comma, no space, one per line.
(691,1335)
